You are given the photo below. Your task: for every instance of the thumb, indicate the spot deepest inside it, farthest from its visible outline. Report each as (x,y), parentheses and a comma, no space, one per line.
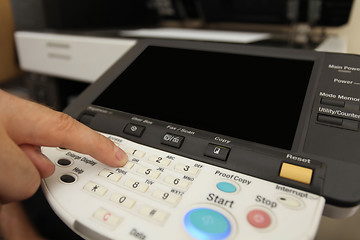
(19,178)
(41,162)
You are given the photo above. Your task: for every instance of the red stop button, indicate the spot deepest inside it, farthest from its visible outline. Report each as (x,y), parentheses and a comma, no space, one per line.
(259,218)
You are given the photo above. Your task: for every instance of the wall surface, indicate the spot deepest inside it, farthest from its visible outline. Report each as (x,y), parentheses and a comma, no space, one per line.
(351,31)
(8,64)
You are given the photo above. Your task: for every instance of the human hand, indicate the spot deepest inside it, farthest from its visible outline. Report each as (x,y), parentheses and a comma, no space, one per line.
(24,127)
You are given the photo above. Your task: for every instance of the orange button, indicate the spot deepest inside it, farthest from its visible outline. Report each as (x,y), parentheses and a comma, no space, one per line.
(296,173)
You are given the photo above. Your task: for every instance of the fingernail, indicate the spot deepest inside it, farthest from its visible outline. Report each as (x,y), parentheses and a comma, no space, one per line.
(121,156)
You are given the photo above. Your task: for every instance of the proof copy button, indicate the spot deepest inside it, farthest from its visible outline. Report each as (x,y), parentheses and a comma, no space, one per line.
(226,187)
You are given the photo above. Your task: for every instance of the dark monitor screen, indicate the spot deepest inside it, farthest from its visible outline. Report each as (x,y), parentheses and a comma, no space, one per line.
(254,98)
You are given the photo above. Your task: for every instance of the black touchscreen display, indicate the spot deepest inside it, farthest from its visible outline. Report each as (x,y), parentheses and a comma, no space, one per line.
(254,98)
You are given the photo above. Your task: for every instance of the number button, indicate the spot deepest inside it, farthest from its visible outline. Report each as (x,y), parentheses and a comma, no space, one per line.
(177,182)
(128,150)
(148,172)
(166,196)
(136,185)
(106,173)
(159,160)
(122,200)
(134,152)
(186,169)
(138,154)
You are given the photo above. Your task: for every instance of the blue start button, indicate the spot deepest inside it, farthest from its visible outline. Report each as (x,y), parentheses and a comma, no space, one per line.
(207,224)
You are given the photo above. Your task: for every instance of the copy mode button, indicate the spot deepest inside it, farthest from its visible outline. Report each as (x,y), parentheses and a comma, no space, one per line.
(216,151)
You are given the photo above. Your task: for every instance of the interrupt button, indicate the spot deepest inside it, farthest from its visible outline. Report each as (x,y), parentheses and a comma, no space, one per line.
(296,173)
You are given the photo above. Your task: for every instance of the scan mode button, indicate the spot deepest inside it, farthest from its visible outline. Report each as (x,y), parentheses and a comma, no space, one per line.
(296,173)
(172,140)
